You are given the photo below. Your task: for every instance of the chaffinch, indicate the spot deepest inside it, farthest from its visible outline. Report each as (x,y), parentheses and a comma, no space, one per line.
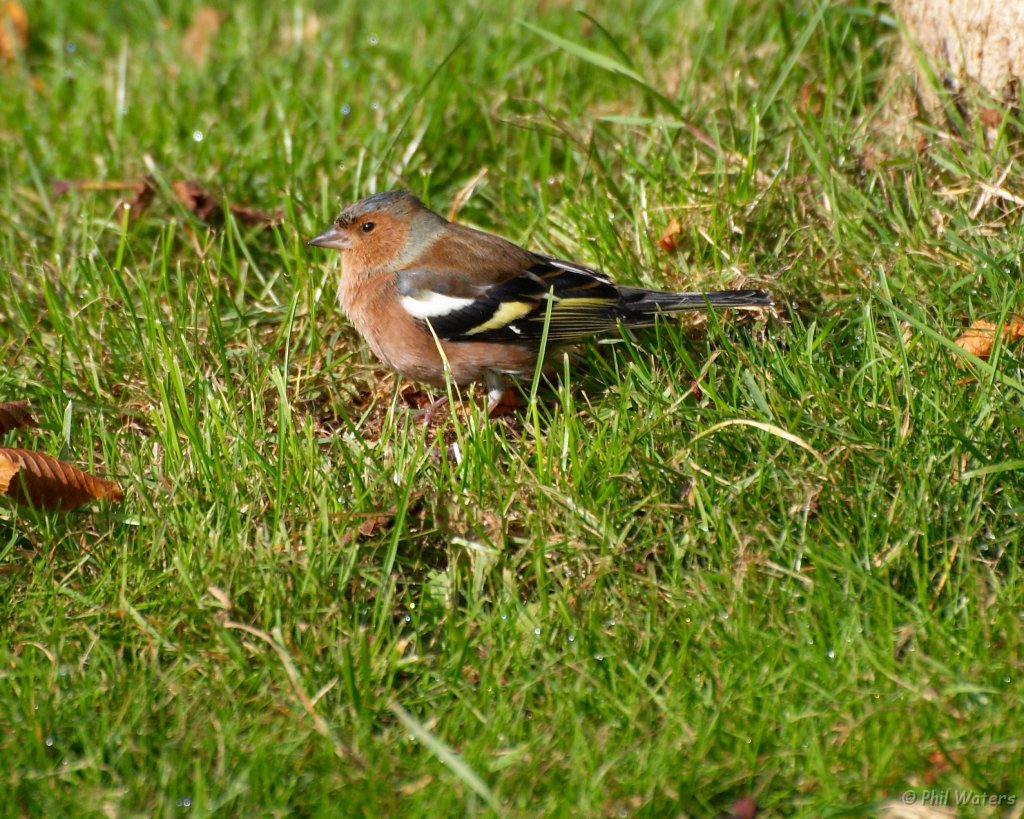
(429,296)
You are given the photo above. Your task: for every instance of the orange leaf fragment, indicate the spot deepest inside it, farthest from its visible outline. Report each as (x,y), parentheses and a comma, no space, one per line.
(667,242)
(39,480)
(13,29)
(13,415)
(195,43)
(979,338)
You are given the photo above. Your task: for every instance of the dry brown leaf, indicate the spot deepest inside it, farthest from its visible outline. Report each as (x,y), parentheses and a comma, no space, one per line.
(464,193)
(744,808)
(197,39)
(48,483)
(252,217)
(14,415)
(979,338)
(991,117)
(13,29)
(191,194)
(8,469)
(197,200)
(667,242)
(206,206)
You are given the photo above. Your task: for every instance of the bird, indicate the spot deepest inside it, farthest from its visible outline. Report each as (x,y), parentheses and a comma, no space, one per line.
(439,301)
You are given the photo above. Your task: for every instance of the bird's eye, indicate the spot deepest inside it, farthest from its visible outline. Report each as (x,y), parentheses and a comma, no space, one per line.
(367,227)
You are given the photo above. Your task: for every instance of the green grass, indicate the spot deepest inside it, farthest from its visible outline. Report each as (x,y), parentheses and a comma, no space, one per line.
(623,602)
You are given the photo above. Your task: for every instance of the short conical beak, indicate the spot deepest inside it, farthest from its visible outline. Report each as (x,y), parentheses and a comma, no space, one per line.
(332,237)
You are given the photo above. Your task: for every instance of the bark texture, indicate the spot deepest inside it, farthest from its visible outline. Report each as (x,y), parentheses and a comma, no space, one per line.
(968,44)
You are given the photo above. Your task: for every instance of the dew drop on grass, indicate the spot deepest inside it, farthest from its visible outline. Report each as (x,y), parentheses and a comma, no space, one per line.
(504,617)
(197,135)
(373,39)
(49,742)
(185,802)
(346,109)
(537,631)
(830,653)
(375,106)
(70,48)
(571,638)
(599,657)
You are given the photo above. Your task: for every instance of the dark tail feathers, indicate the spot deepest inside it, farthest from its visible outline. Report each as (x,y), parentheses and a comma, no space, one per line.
(638,304)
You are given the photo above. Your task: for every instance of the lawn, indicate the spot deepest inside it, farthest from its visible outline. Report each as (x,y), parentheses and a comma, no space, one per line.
(773,556)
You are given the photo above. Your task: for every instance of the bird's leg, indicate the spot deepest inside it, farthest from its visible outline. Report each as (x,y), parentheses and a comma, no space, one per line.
(501,398)
(425,416)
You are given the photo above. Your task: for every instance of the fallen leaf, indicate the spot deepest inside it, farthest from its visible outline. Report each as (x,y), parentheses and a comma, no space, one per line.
(371,524)
(197,200)
(8,469)
(191,194)
(197,39)
(206,206)
(991,117)
(39,480)
(979,338)
(14,415)
(744,808)
(145,192)
(810,99)
(251,217)
(13,29)
(667,242)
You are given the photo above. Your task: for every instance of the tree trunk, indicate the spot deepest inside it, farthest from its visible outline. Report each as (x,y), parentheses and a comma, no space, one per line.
(967,45)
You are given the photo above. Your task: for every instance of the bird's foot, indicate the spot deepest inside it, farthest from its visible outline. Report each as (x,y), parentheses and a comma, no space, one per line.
(503,402)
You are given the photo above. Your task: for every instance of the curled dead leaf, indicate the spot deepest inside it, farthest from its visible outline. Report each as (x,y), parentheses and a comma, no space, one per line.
(667,242)
(14,415)
(39,480)
(980,337)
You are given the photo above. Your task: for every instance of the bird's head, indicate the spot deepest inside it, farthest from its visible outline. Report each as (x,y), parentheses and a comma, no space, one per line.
(382,231)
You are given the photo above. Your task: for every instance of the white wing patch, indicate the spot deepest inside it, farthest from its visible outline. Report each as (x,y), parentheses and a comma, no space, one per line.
(426,304)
